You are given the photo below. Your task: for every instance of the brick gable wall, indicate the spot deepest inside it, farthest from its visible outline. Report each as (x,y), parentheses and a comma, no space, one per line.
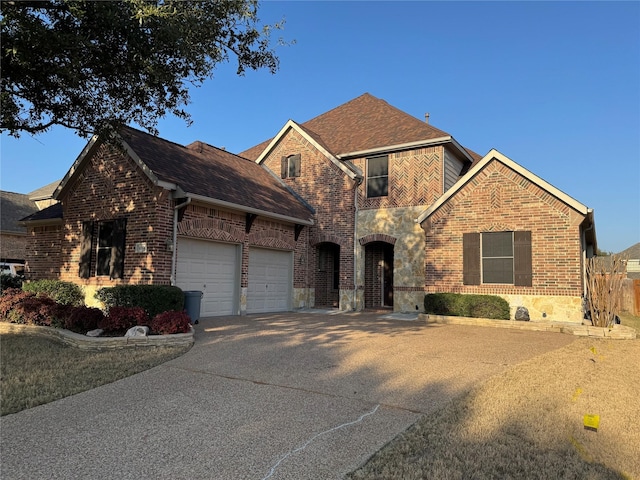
(499,199)
(112,186)
(330,191)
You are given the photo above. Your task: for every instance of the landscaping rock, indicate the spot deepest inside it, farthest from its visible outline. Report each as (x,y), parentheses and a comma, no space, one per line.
(522,314)
(137,332)
(95,333)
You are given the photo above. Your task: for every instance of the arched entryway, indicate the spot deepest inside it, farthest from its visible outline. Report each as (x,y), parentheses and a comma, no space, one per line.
(378,275)
(327,275)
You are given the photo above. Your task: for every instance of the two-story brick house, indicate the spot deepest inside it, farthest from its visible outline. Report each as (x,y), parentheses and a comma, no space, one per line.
(361,207)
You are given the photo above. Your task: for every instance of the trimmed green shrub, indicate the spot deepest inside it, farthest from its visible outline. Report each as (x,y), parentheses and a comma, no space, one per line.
(66,293)
(9,281)
(154,299)
(461,305)
(168,323)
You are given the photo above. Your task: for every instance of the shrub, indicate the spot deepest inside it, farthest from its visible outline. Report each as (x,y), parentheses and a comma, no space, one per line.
(8,301)
(9,281)
(66,293)
(171,322)
(121,319)
(460,305)
(83,319)
(34,310)
(154,299)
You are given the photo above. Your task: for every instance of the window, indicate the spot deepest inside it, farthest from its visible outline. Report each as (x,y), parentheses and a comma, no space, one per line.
(102,243)
(290,166)
(378,176)
(497,258)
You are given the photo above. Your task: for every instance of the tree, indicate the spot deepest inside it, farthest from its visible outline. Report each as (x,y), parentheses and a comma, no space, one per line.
(85,65)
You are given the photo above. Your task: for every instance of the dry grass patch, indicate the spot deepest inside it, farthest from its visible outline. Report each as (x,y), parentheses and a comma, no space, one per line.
(528,422)
(36,370)
(630,321)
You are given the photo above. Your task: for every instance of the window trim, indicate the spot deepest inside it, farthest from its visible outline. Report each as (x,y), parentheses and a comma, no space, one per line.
(483,258)
(90,249)
(290,165)
(369,177)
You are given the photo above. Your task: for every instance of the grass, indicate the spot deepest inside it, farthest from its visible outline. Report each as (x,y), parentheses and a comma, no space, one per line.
(630,320)
(36,370)
(529,422)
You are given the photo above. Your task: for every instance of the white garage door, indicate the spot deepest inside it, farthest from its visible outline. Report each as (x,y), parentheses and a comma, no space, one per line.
(211,268)
(269,288)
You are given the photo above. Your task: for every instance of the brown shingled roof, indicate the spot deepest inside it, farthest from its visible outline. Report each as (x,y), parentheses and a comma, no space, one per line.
(208,171)
(363,123)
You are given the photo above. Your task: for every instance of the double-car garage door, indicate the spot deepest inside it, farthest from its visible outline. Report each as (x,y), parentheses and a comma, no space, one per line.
(214,268)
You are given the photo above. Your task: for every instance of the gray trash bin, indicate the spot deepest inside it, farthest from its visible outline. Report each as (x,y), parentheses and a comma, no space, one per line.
(192,300)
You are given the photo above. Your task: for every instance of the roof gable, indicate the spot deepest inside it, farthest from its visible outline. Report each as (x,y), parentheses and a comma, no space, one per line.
(494,155)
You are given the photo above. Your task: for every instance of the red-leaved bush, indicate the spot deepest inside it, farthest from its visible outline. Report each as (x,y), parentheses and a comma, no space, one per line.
(33,310)
(121,319)
(167,323)
(83,319)
(8,301)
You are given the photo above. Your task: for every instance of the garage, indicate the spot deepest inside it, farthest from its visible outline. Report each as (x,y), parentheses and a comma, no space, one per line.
(270,281)
(212,268)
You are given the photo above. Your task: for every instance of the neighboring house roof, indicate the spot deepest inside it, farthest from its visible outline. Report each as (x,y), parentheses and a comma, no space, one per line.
(494,155)
(53,212)
(205,173)
(13,207)
(632,252)
(363,125)
(44,192)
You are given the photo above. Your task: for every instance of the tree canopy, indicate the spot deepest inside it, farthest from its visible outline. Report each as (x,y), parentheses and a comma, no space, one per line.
(88,64)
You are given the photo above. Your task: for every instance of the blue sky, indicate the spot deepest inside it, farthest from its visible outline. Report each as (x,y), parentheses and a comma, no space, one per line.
(554,86)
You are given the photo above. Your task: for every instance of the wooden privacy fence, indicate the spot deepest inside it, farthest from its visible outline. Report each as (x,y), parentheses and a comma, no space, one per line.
(631,296)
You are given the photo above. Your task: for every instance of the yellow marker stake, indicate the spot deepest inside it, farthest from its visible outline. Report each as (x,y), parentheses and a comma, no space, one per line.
(593,350)
(592,422)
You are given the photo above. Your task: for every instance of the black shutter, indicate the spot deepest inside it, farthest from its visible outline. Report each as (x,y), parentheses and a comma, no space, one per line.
(86,241)
(283,167)
(471,258)
(522,268)
(296,165)
(117,248)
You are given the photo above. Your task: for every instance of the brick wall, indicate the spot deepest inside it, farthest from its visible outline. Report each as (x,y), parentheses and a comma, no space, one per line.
(499,199)
(109,187)
(42,253)
(330,191)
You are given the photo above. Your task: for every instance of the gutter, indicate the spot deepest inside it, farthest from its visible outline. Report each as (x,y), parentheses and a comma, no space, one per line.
(401,146)
(175,239)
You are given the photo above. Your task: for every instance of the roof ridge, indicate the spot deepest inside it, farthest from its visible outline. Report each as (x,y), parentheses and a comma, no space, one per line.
(366,94)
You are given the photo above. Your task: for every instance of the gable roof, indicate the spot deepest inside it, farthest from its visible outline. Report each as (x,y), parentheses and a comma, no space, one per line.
(363,125)
(13,207)
(52,213)
(494,155)
(204,173)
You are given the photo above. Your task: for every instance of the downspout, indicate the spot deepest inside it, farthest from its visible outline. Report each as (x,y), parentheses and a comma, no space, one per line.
(584,255)
(174,254)
(358,181)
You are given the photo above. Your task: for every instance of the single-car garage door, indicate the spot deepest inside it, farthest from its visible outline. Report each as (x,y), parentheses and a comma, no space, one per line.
(212,268)
(269,287)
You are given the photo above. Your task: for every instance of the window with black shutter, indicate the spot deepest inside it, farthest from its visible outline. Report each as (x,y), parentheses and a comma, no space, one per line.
(497,258)
(107,240)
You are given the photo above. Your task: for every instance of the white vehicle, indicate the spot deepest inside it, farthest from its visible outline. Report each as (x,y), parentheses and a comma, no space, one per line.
(13,269)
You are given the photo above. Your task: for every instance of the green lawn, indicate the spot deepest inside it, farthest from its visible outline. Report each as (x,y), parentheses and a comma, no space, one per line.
(36,370)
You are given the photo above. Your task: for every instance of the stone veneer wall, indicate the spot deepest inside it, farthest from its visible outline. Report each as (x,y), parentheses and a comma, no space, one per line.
(409,252)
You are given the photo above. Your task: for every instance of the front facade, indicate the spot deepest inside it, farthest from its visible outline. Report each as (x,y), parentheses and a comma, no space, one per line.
(361,207)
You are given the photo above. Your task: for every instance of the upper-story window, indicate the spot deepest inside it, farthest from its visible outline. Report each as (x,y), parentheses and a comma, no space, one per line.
(290,166)
(378,176)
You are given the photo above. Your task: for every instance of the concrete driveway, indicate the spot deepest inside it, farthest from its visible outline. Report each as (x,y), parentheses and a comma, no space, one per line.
(285,396)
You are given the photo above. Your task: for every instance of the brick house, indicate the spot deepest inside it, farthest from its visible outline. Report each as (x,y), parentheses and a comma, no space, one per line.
(361,207)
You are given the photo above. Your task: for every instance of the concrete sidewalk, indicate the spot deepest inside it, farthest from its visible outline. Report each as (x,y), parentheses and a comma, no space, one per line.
(283,396)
